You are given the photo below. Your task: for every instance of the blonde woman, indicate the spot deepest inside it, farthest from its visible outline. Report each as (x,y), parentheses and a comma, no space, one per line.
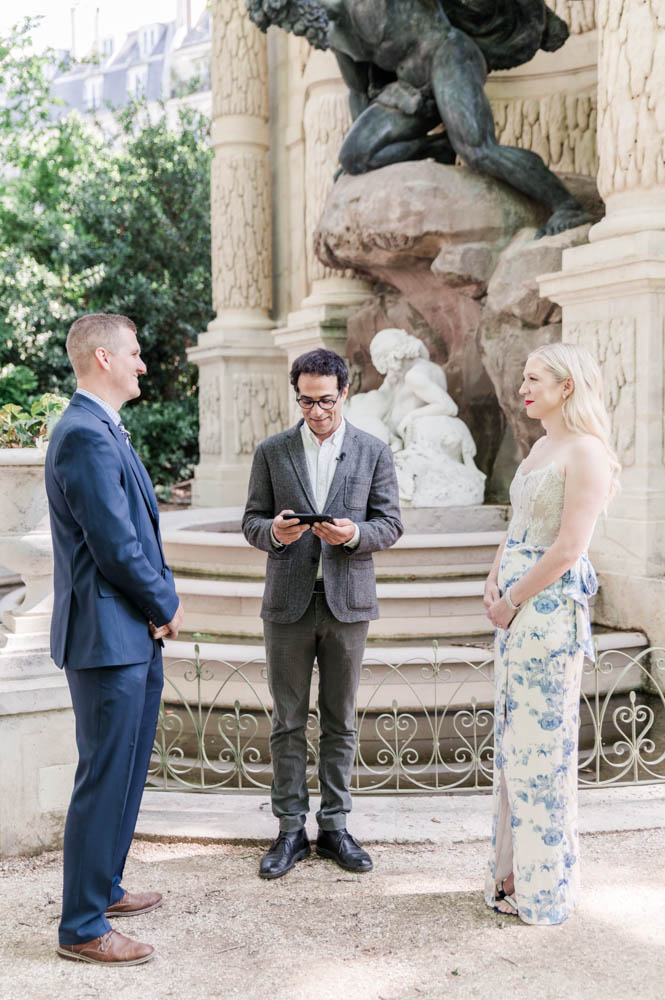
(536,597)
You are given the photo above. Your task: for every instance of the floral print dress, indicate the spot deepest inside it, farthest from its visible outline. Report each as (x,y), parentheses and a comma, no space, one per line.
(538,668)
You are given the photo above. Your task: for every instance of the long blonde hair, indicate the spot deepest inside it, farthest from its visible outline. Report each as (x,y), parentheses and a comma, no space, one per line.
(584,410)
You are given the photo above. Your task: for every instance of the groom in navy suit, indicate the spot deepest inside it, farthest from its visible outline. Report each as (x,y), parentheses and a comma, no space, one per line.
(114,601)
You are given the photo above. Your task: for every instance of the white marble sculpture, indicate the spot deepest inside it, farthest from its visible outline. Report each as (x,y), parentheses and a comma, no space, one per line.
(413,413)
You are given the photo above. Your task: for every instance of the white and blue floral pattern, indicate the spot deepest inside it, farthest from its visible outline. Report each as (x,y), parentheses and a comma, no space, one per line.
(538,667)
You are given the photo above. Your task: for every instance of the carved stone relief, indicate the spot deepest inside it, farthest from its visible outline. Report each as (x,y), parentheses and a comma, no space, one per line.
(300,52)
(210,430)
(561,128)
(579,15)
(327,119)
(631,84)
(663,403)
(239,63)
(241,226)
(612,343)
(259,409)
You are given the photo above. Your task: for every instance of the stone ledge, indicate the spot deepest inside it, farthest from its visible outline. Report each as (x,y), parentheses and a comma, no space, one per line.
(35,694)
(442,819)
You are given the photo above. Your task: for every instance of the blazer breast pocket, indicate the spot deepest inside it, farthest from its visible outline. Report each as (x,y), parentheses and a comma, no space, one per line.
(276,593)
(356,492)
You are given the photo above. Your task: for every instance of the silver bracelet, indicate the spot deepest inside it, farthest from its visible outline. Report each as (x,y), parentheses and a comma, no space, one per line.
(513,607)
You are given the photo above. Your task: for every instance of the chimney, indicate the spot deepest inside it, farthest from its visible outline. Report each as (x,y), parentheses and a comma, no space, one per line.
(72,20)
(95,44)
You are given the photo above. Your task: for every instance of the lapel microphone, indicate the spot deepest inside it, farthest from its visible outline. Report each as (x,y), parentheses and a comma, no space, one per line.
(341,456)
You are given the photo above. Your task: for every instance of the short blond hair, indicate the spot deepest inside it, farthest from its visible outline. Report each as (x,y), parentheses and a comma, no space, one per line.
(87,333)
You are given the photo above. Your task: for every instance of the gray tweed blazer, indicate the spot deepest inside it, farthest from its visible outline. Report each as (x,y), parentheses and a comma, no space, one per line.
(364,489)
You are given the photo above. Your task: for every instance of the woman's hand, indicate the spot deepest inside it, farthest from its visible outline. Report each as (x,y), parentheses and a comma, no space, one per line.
(500,613)
(491,593)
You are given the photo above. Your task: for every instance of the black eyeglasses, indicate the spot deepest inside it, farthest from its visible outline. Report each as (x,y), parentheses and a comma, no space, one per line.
(327,403)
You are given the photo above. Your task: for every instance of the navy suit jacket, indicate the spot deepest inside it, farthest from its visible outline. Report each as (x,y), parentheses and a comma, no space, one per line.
(110,575)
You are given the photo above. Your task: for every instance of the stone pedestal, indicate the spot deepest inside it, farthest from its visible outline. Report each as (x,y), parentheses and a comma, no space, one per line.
(242,400)
(613,297)
(38,753)
(37,743)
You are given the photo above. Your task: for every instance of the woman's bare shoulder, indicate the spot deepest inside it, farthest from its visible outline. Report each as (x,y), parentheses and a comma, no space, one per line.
(586,449)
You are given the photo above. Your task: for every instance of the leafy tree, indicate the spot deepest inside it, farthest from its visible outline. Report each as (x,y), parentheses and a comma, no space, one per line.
(144,215)
(25,109)
(94,223)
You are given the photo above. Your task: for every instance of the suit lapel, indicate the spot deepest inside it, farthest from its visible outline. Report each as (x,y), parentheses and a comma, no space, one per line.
(341,467)
(148,490)
(297,456)
(134,464)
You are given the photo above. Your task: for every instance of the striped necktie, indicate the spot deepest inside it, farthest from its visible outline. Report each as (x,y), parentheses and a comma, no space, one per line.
(125,433)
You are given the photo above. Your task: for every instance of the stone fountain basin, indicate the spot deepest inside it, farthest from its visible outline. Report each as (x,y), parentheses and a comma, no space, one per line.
(23,503)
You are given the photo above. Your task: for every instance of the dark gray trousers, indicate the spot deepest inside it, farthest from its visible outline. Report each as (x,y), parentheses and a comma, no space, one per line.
(291,650)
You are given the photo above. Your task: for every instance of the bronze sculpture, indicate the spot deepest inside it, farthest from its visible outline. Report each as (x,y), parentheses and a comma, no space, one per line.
(412,65)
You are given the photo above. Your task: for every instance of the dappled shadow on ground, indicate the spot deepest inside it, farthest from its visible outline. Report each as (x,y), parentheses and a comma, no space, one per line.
(416,927)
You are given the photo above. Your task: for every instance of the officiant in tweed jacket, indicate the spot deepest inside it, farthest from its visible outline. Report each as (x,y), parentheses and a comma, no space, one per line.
(319,598)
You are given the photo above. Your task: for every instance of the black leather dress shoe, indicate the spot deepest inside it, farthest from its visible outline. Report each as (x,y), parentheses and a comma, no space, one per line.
(284,853)
(341,847)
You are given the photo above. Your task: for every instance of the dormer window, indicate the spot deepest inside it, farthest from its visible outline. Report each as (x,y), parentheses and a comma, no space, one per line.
(92,92)
(137,81)
(147,40)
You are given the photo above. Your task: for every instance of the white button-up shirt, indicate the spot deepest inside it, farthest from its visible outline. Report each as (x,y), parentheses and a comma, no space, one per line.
(322,458)
(113,414)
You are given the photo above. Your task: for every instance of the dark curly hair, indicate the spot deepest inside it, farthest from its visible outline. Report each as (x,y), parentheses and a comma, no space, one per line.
(320,362)
(302,17)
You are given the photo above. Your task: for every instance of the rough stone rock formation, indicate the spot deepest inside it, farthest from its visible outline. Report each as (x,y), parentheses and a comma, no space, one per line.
(455,261)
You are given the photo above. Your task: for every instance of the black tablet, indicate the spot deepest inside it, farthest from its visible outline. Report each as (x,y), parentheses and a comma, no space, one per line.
(308,518)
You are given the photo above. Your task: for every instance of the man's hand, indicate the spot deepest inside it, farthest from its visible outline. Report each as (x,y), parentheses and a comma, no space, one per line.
(287,532)
(339,532)
(171,629)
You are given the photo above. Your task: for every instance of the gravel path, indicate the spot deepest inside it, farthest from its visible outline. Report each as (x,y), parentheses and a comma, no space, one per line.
(414,929)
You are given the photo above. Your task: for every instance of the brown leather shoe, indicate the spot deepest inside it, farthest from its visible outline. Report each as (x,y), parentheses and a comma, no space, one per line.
(111,948)
(133,903)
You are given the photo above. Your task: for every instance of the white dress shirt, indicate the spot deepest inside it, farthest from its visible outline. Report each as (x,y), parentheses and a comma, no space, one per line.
(322,458)
(113,414)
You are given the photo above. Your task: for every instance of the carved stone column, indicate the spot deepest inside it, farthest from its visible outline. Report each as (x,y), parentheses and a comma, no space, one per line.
(242,375)
(613,297)
(323,116)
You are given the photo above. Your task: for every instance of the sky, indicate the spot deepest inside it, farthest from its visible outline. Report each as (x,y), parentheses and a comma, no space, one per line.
(116,18)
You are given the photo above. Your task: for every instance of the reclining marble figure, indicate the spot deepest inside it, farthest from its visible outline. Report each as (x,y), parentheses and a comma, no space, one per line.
(413,65)
(413,413)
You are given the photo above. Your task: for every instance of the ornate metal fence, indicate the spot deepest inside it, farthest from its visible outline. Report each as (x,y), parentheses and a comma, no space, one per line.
(422,726)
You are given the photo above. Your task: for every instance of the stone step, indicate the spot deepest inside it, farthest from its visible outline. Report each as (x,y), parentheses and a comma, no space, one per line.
(227,554)
(231,607)
(415,676)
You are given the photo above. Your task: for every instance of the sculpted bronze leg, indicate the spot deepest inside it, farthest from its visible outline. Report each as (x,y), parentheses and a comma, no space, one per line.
(381,135)
(458,76)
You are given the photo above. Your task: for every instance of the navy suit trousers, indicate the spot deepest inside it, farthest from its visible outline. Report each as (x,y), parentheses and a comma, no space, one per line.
(116,710)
